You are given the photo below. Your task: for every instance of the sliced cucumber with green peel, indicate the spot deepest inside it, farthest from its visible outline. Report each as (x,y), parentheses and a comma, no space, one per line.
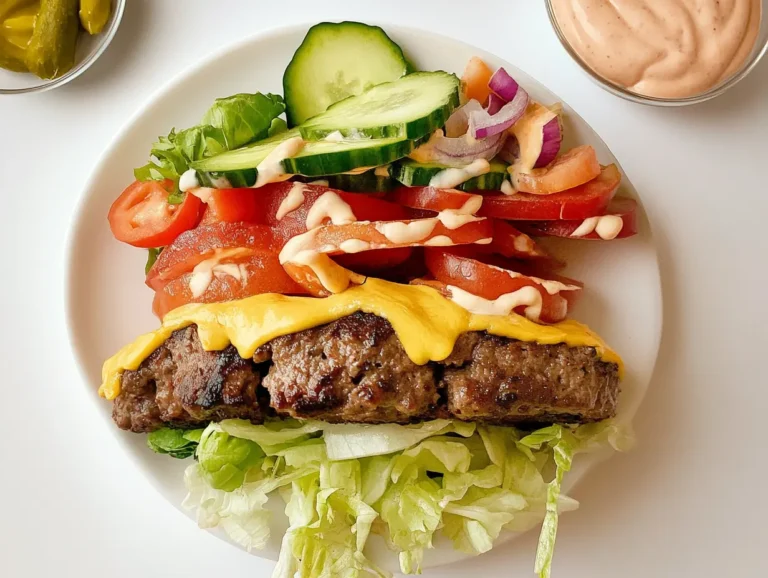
(411,107)
(322,158)
(367,182)
(335,61)
(413,174)
(247,157)
(316,159)
(236,179)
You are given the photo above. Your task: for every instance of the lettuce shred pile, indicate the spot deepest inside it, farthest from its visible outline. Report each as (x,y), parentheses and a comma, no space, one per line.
(340,483)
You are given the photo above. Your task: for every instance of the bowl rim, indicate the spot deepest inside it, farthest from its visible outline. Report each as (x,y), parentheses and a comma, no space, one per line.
(755,57)
(106,39)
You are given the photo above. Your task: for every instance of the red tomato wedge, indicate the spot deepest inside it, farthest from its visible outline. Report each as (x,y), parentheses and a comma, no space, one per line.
(584,201)
(619,222)
(141,216)
(229,242)
(233,205)
(432,199)
(306,257)
(474,81)
(545,300)
(574,168)
(239,278)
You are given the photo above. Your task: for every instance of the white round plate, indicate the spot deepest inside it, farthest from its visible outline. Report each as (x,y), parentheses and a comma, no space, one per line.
(109,305)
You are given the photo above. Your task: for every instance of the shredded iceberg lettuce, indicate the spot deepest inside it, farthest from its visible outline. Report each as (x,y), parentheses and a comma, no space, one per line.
(342,482)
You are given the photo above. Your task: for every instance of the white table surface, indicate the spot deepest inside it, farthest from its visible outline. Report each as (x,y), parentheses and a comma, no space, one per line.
(689,501)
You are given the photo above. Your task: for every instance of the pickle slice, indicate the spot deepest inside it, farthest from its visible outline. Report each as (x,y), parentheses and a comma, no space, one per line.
(94,14)
(51,51)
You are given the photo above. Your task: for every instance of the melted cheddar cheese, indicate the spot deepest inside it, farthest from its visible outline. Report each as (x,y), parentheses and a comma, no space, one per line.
(426,323)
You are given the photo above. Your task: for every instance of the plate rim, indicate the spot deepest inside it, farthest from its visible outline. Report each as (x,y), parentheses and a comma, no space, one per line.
(78,215)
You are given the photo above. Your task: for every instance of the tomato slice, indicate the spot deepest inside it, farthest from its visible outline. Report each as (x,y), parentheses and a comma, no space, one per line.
(141,216)
(230,242)
(619,222)
(238,278)
(306,257)
(545,300)
(574,168)
(375,262)
(510,242)
(286,205)
(232,206)
(288,218)
(474,81)
(432,199)
(507,240)
(278,198)
(584,201)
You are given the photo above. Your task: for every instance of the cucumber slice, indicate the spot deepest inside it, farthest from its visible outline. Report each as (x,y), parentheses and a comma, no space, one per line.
(247,157)
(413,174)
(410,107)
(367,182)
(335,61)
(316,159)
(237,179)
(321,158)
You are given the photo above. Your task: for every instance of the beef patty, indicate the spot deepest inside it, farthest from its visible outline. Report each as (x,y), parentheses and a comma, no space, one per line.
(356,370)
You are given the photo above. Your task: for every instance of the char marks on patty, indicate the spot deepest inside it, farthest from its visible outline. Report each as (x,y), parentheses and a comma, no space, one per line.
(352,370)
(181,384)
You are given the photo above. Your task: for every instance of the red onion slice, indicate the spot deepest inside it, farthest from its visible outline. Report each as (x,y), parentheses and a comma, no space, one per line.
(553,137)
(458,151)
(483,125)
(495,104)
(458,122)
(503,85)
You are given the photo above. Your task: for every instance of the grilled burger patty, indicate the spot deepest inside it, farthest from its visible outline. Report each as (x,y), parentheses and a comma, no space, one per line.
(356,370)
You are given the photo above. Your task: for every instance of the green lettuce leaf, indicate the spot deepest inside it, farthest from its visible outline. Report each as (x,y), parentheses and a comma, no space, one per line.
(476,520)
(273,434)
(200,142)
(329,526)
(176,443)
(407,482)
(438,455)
(309,452)
(230,123)
(347,441)
(562,443)
(224,459)
(456,485)
(412,512)
(152,255)
(599,435)
(243,118)
(240,513)
(375,473)
(278,126)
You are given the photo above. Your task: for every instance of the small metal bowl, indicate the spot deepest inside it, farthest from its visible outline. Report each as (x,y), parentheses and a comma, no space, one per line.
(89,48)
(761,47)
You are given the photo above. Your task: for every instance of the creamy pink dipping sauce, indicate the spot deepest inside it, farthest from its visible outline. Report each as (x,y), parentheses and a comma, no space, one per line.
(661,48)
